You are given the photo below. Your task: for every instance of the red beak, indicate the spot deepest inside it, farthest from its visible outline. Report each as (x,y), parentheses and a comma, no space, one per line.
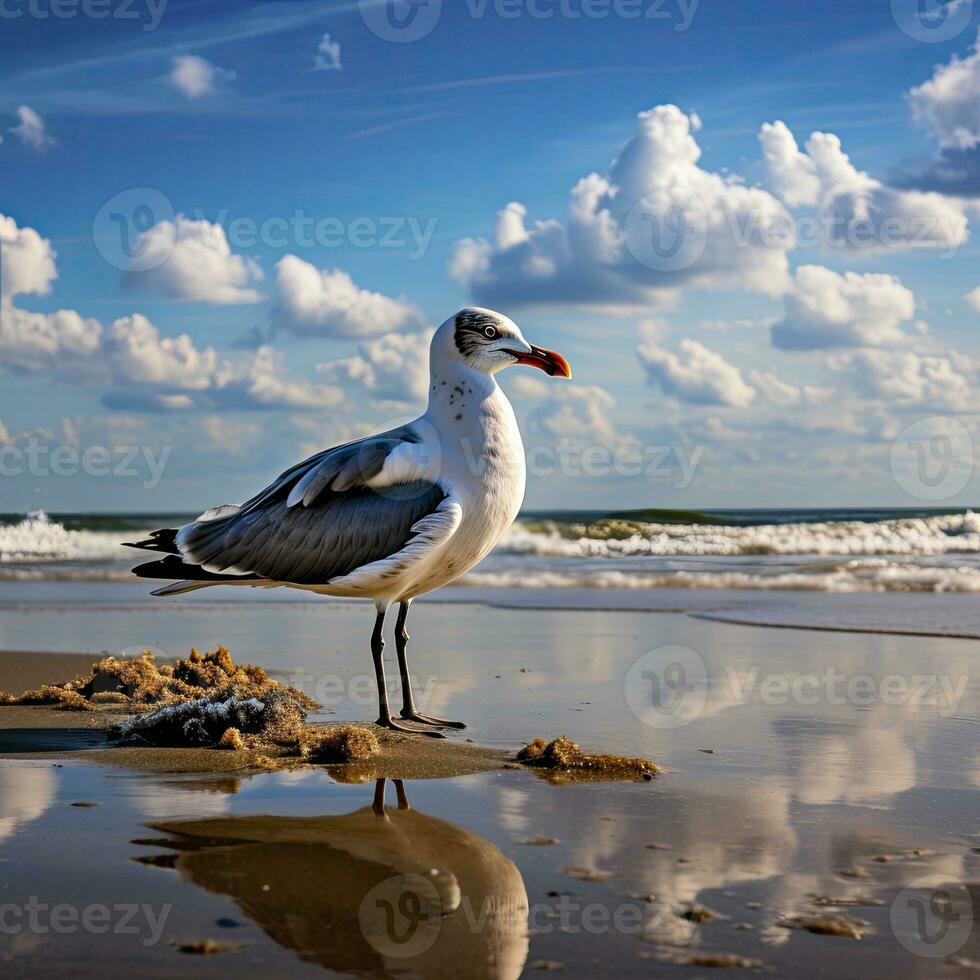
(549,361)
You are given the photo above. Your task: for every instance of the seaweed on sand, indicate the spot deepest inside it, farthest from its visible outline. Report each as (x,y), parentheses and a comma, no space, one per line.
(277,718)
(564,758)
(338,744)
(138,683)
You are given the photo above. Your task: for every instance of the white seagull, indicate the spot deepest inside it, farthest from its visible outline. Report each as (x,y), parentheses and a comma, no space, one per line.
(389,517)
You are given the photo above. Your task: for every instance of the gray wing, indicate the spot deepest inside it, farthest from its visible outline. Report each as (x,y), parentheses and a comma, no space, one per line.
(317,521)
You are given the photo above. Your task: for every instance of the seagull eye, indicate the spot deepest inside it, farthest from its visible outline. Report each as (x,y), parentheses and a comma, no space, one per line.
(490,332)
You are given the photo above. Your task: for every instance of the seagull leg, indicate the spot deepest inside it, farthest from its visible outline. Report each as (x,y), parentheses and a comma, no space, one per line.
(377,652)
(403,803)
(409,711)
(379,798)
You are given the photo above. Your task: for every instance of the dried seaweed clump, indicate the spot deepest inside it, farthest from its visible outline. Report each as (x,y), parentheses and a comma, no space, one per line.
(144,681)
(277,717)
(53,696)
(563,756)
(232,739)
(6,698)
(338,744)
(138,683)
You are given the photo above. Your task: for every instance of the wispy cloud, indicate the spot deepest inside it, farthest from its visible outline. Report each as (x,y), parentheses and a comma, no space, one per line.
(397,124)
(519,78)
(79,83)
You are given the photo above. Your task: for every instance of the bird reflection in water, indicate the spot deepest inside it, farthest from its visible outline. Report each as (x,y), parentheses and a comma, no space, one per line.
(371,893)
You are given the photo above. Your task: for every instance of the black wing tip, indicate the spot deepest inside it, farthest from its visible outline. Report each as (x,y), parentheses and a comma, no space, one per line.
(174,567)
(165,540)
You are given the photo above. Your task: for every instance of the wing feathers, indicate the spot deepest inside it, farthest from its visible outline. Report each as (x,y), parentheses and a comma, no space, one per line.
(342,527)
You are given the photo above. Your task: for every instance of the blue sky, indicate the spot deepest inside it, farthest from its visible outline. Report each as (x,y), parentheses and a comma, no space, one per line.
(314,197)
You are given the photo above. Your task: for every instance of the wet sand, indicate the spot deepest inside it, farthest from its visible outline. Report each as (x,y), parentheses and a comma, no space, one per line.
(804,809)
(43,732)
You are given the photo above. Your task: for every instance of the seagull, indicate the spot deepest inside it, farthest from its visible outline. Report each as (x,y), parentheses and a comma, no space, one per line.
(390,517)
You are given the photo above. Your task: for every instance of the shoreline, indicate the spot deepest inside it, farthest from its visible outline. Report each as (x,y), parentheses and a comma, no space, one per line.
(946,615)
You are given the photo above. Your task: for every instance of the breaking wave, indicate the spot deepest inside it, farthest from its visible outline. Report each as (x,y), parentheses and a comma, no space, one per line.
(887,552)
(853,576)
(37,538)
(617,538)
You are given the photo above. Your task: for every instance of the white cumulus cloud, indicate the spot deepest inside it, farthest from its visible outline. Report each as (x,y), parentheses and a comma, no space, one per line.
(195,77)
(825,309)
(28,261)
(192,260)
(656,222)
(328,303)
(41,341)
(695,374)
(577,413)
(948,104)
(973,299)
(392,368)
(909,378)
(136,353)
(855,212)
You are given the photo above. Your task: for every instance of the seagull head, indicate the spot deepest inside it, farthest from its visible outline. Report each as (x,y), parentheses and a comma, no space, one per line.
(488,342)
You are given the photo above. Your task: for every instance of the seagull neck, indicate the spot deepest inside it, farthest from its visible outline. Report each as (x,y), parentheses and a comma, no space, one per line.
(455,389)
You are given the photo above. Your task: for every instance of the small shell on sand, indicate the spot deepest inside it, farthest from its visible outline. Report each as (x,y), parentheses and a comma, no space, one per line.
(565,756)
(828,925)
(338,745)
(207,947)
(724,961)
(699,913)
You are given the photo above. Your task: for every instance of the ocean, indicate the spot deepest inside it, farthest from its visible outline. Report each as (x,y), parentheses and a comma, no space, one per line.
(841,551)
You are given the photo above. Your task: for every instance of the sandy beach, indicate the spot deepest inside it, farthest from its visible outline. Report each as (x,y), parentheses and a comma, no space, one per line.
(789,808)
